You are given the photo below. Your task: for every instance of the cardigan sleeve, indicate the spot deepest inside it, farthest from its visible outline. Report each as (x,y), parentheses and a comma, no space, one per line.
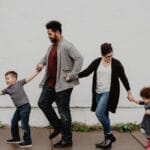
(86,72)
(124,78)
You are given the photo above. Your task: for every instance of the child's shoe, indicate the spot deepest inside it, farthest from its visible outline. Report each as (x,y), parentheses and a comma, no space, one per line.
(23,144)
(13,141)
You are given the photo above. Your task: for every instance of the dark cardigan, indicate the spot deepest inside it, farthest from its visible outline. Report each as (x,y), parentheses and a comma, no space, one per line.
(117,72)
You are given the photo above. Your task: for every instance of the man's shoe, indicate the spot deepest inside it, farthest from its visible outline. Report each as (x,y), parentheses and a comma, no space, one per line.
(62,144)
(54,133)
(13,141)
(23,144)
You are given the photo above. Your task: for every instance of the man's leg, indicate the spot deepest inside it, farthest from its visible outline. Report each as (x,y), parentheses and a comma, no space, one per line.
(45,103)
(63,104)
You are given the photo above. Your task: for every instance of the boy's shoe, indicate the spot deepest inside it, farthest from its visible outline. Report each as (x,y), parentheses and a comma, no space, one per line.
(13,141)
(23,144)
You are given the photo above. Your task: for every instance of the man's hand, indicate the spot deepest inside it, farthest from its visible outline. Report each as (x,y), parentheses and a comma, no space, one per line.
(39,67)
(68,78)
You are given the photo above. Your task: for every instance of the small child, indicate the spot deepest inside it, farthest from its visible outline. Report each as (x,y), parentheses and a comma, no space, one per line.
(23,108)
(145,125)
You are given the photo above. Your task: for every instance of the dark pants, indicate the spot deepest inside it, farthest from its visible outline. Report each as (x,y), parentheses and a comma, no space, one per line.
(22,113)
(62,100)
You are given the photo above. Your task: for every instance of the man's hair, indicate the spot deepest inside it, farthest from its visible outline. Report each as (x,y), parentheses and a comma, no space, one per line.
(12,73)
(54,26)
(145,92)
(106,48)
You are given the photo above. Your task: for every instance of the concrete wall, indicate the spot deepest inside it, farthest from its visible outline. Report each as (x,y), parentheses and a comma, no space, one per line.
(23,41)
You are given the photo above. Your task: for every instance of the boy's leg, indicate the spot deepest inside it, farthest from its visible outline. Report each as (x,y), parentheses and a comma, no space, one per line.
(14,125)
(24,115)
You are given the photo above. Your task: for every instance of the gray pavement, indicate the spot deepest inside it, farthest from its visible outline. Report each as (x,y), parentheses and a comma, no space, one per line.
(81,141)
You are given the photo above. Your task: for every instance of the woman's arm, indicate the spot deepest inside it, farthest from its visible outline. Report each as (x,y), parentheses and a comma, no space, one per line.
(86,72)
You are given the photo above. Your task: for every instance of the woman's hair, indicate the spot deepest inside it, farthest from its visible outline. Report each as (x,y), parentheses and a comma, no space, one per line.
(106,48)
(145,92)
(12,73)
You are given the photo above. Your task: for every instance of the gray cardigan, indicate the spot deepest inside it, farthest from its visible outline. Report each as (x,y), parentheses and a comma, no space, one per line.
(69,60)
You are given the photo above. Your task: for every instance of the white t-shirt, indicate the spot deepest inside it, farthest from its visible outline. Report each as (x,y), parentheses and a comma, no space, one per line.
(103,78)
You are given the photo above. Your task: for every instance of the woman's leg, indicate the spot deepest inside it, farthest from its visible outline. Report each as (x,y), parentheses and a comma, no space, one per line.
(103,116)
(102,113)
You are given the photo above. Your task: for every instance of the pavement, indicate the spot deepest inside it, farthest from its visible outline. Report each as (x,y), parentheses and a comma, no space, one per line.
(81,140)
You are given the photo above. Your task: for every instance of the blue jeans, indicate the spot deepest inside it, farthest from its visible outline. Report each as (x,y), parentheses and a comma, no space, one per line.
(22,113)
(62,100)
(101,111)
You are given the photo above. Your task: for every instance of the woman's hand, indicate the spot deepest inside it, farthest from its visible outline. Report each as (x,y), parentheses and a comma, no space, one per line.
(130,96)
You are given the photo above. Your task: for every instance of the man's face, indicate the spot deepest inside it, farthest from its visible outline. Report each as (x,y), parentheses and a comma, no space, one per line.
(52,35)
(10,80)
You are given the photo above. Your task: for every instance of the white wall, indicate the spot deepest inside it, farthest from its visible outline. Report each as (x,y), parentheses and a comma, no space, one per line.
(23,41)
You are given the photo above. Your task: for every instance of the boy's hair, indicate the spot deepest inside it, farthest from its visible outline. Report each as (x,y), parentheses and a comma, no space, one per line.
(12,73)
(106,48)
(54,26)
(145,92)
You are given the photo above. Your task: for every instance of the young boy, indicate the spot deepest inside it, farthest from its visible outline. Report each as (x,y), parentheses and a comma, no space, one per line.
(16,91)
(145,125)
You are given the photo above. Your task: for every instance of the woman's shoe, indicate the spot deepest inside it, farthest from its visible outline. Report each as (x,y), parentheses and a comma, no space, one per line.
(109,138)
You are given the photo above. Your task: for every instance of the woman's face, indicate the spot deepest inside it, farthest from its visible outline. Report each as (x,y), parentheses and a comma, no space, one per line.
(108,57)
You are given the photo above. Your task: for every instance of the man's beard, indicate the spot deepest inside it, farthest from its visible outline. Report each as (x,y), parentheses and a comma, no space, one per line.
(54,40)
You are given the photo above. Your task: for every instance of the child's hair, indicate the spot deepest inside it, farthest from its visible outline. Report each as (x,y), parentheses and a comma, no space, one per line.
(12,73)
(145,92)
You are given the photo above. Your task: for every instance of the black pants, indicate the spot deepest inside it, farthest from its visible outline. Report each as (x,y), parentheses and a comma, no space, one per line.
(62,100)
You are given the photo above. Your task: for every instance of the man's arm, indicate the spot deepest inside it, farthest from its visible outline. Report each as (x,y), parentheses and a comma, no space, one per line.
(32,76)
(78,62)
(42,62)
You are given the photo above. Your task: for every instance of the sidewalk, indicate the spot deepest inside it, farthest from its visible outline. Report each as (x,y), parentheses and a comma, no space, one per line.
(82,141)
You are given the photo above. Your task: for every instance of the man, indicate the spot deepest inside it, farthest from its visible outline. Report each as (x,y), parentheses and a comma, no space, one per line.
(62,63)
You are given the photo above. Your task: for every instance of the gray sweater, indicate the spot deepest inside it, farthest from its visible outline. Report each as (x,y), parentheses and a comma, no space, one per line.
(69,60)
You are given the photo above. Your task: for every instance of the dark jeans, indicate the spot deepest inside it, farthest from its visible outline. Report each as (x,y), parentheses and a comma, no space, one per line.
(62,100)
(22,113)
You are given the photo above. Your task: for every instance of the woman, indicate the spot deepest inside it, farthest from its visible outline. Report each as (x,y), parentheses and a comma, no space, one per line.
(106,89)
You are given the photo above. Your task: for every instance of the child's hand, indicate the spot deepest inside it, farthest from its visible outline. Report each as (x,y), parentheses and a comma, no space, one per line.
(39,67)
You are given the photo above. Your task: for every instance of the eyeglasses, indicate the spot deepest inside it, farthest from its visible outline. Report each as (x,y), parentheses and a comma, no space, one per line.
(108,56)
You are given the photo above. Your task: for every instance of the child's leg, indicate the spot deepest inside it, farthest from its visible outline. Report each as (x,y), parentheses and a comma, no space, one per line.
(14,125)
(24,114)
